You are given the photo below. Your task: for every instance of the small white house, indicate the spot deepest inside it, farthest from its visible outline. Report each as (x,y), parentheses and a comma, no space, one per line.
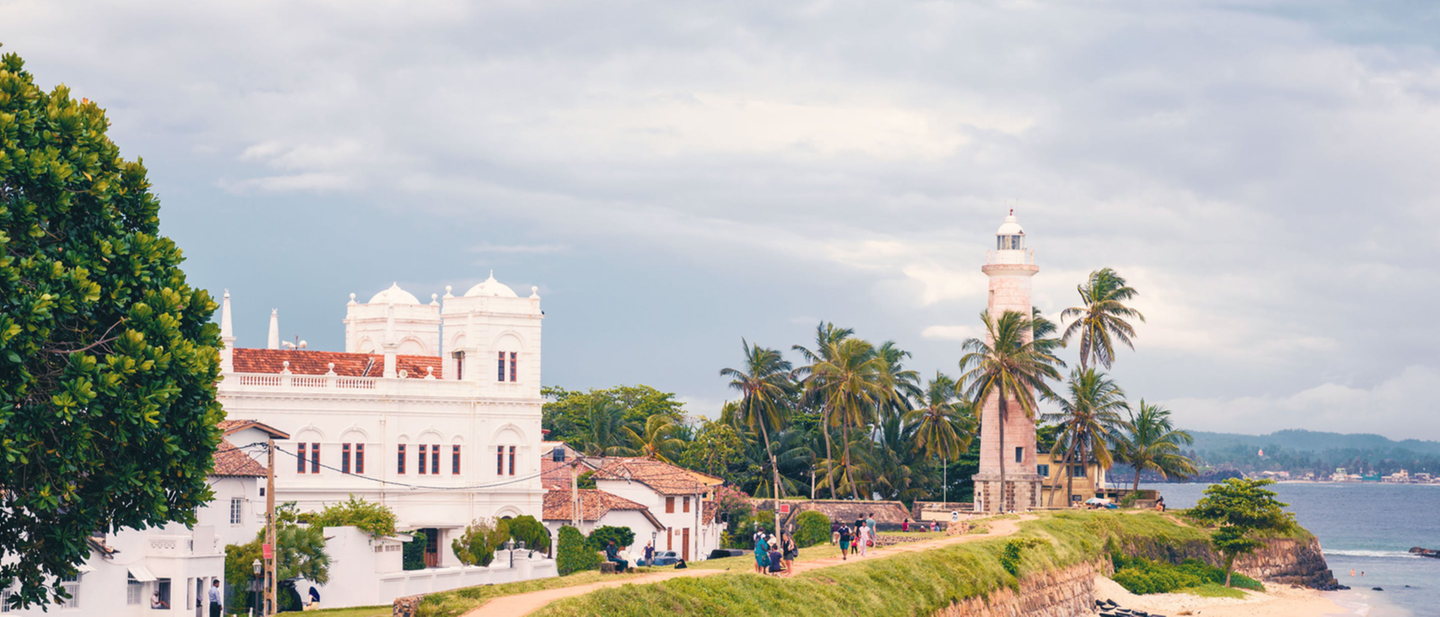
(676,497)
(600,509)
(168,571)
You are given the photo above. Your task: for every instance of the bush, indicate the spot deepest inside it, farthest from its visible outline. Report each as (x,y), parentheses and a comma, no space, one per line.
(742,531)
(812,528)
(528,530)
(372,518)
(1142,576)
(573,552)
(1010,555)
(623,537)
(413,555)
(476,546)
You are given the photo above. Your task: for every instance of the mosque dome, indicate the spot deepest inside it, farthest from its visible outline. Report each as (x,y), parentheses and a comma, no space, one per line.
(394,295)
(1011,227)
(491,288)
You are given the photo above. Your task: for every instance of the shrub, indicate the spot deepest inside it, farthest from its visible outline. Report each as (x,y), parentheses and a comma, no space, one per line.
(1010,555)
(573,552)
(623,537)
(586,480)
(413,555)
(528,530)
(476,546)
(1142,576)
(372,518)
(811,528)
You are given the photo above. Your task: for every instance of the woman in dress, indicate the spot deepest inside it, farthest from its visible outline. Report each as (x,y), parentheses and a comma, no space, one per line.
(762,554)
(790,552)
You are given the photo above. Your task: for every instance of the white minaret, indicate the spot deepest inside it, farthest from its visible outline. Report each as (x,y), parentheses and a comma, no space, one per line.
(273,341)
(227,336)
(1010,267)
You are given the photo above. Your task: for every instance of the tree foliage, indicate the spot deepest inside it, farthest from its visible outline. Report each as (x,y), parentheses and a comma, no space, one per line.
(573,552)
(108,358)
(811,528)
(378,520)
(602,536)
(530,531)
(1241,508)
(476,545)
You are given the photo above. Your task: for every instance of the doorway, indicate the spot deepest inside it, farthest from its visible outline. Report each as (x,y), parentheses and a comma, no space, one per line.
(432,547)
(685,547)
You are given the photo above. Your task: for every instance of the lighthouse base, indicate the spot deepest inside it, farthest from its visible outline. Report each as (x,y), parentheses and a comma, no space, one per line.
(1020,492)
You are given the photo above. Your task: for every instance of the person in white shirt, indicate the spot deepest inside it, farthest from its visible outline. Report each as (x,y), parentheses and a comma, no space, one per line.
(215,599)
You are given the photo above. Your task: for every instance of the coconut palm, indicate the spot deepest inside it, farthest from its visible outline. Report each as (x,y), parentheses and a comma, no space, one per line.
(605,428)
(902,385)
(1147,440)
(764,384)
(1043,331)
(853,381)
(1089,419)
(661,438)
(1009,366)
(943,422)
(827,337)
(1102,318)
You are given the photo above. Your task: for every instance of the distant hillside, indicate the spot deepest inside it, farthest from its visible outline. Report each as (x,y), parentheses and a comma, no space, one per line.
(1310,441)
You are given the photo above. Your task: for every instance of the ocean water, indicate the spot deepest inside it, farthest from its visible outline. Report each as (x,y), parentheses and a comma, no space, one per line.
(1367,528)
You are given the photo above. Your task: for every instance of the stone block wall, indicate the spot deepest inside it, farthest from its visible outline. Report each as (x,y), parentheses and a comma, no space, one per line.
(1058,593)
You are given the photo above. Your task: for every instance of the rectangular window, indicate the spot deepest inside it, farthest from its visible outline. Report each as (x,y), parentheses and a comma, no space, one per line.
(4,600)
(1043,470)
(237,509)
(360,458)
(400,461)
(500,368)
(512,460)
(71,585)
(345,458)
(1077,471)
(459,364)
(685,504)
(134,591)
(314,458)
(421,466)
(669,505)
(499,460)
(455,460)
(435,460)
(300,458)
(162,591)
(1019,454)
(513,363)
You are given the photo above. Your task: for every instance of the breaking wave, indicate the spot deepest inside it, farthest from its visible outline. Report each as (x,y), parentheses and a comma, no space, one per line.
(1386,554)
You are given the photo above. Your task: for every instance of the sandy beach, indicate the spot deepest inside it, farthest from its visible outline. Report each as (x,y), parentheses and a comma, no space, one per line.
(1279,601)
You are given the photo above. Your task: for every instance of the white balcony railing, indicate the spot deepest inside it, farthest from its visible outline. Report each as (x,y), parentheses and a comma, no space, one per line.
(180,546)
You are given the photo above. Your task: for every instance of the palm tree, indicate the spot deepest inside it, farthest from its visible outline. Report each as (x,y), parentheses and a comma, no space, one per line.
(827,337)
(1149,441)
(763,384)
(605,428)
(945,424)
(853,381)
(1043,331)
(662,438)
(1088,419)
(1102,318)
(1008,365)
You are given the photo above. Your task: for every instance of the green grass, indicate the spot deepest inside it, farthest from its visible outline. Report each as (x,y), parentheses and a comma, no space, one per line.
(1213,590)
(356,611)
(914,535)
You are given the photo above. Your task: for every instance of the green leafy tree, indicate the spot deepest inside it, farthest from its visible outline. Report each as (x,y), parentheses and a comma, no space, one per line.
(476,545)
(763,383)
(717,449)
(1009,366)
(811,529)
(573,552)
(622,536)
(944,423)
(1102,318)
(818,389)
(300,553)
(239,572)
(1241,509)
(1089,419)
(108,358)
(530,531)
(378,520)
(1148,440)
(851,376)
(661,437)
(412,555)
(585,480)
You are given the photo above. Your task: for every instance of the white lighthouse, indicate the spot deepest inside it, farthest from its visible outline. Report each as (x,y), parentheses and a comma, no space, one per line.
(1010,265)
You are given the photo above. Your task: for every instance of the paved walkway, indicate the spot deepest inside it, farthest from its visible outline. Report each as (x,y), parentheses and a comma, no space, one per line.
(526,603)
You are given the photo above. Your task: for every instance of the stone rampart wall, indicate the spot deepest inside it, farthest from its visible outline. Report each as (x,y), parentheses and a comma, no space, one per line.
(1068,592)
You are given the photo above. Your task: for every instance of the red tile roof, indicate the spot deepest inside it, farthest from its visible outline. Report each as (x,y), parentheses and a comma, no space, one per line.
(594,505)
(557,475)
(307,362)
(234,462)
(662,477)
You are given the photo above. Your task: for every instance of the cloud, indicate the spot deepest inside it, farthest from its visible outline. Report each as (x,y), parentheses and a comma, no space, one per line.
(952,333)
(519,248)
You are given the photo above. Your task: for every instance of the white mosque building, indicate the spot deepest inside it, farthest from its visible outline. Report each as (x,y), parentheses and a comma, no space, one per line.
(433,409)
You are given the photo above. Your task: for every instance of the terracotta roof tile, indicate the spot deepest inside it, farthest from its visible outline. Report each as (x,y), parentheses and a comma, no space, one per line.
(594,505)
(664,478)
(308,362)
(231,461)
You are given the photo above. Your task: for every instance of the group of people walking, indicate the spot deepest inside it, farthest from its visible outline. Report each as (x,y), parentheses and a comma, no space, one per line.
(775,556)
(854,539)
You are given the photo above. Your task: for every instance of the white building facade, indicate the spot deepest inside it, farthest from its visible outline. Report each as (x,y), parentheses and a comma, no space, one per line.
(433,409)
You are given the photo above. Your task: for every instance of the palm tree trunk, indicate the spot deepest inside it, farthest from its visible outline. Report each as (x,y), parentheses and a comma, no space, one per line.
(1070,478)
(775,469)
(1065,472)
(849,473)
(1003,408)
(1137,478)
(829,458)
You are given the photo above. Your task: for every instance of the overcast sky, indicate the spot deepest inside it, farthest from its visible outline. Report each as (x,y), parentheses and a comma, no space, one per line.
(674,176)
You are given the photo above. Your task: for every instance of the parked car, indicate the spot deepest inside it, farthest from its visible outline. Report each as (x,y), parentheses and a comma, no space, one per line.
(721,553)
(666,558)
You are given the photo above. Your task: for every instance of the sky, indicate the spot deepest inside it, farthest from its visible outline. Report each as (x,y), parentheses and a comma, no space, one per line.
(676,176)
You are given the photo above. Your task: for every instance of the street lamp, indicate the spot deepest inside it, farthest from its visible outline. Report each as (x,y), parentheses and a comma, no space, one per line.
(510,548)
(255,566)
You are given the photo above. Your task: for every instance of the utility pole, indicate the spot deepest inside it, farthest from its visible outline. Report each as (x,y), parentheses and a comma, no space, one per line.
(575,493)
(268,607)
